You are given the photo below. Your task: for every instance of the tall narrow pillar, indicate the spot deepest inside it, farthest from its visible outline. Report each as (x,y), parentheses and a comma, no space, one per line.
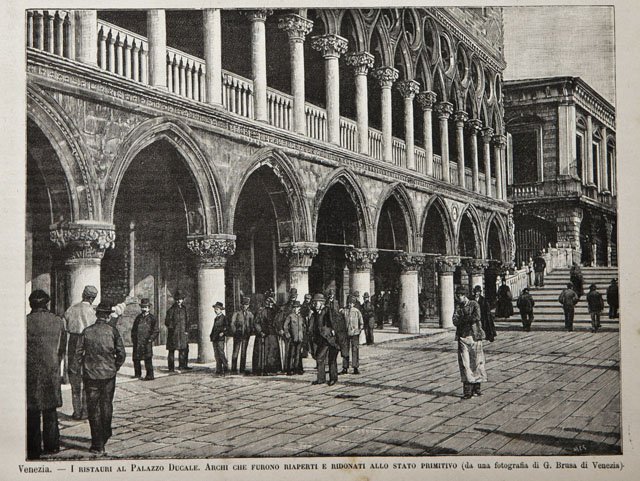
(444,109)
(86,24)
(604,170)
(361,63)
(474,126)
(386,76)
(475,269)
(408,307)
(332,47)
(83,246)
(212,252)
(258,20)
(426,99)
(487,135)
(157,33)
(212,55)
(408,89)
(297,28)
(360,262)
(460,118)
(446,267)
(300,256)
(608,226)
(566,136)
(499,142)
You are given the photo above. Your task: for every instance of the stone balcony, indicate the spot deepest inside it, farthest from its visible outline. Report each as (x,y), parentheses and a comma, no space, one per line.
(562,188)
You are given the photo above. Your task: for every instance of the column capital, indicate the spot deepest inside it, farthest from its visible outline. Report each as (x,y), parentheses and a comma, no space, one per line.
(258,15)
(410,261)
(461,117)
(212,250)
(297,27)
(444,110)
(487,134)
(408,88)
(361,259)
(83,240)
(330,45)
(474,126)
(300,254)
(499,140)
(447,264)
(386,76)
(360,61)
(426,99)
(475,266)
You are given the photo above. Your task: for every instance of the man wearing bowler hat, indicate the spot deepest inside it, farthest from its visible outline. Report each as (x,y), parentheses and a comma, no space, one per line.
(144,332)
(78,317)
(177,322)
(241,329)
(217,337)
(325,341)
(100,353)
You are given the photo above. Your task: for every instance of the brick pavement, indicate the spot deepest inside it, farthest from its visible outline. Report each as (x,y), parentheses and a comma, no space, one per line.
(548,393)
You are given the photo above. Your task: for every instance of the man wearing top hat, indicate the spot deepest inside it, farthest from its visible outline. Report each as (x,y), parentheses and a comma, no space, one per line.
(100,352)
(177,322)
(294,331)
(78,317)
(144,332)
(241,329)
(217,337)
(46,341)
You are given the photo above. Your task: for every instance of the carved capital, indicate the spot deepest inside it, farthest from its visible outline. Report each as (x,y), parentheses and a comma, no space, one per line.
(474,126)
(461,117)
(475,267)
(212,250)
(259,15)
(300,254)
(361,259)
(83,240)
(330,45)
(447,264)
(296,26)
(426,99)
(499,140)
(444,110)
(487,134)
(360,61)
(386,76)
(410,261)
(408,88)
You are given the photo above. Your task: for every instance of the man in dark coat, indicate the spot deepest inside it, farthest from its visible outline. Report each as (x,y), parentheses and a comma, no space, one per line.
(576,278)
(525,303)
(177,322)
(100,352)
(294,331)
(325,340)
(217,336)
(266,348)
(539,265)
(369,317)
(486,316)
(78,317)
(46,342)
(305,312)
(144,332)
(241,330)
(612,299)
(504,301)
(596,304)
(568,298)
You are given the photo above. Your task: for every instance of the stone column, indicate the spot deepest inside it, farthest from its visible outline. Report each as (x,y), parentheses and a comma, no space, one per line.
(300,255)
(608,232)
(361,63)
(297,28)
(386,76)
(212,252)
(444,109)
(603,170)
(460,118)
(474,126)
(212,55)
(360,262)
(487,134)
(499,141)
(157,33)
(408,307)
(83,245)
(566,136)
(86,24)
(426,99)
(258,19)
(332,47)
(446,267)
(408,89)
(475,269)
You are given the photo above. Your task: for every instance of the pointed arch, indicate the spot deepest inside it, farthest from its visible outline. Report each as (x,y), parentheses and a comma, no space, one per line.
(380,43)
(423,74)
(496,226)
(439,85)
(182,138)
(471,214)
(400,194)
(405,66)
(354,17)
(437,205)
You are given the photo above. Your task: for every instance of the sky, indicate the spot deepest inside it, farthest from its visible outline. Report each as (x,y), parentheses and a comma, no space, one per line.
(547,41)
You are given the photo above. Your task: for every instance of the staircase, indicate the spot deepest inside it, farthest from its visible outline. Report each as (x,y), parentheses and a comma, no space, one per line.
(548,311)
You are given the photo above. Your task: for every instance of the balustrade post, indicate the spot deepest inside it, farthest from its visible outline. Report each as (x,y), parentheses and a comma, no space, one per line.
(444,110)
(408,89)
(460,118)
(487,134)
(361,63)
(157,33)
(213,55)
(127,57)
(258,20)
(386,76)
(426,99)
(86,36)
(474,126)
(135,61)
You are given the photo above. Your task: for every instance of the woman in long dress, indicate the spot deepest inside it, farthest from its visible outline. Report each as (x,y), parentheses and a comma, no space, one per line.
(504,303)
(266,351)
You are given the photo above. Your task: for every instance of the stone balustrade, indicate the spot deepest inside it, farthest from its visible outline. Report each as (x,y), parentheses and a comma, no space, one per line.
(399,153)
(51,31)
(237,94)
(185,75)
(279,108)
(316,122)
(348,134)
(516,281)
(122,52)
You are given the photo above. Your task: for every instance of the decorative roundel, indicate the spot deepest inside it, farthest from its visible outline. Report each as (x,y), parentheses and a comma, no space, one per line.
(454,213)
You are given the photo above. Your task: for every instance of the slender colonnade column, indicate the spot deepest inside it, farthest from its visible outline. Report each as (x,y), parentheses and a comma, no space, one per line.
(86,27)
(444,109)
(474,126)
(408,89)
(213,55)
(361,63)
(487,134)
(460,118)
(157,34)
(386,76)
(258,19)
(426,99)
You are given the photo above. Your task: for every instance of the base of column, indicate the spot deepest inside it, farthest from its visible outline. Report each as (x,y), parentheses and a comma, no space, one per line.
(408,309)
(82,272)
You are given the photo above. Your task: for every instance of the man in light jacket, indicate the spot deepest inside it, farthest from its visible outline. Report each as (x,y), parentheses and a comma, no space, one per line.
(354,325)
